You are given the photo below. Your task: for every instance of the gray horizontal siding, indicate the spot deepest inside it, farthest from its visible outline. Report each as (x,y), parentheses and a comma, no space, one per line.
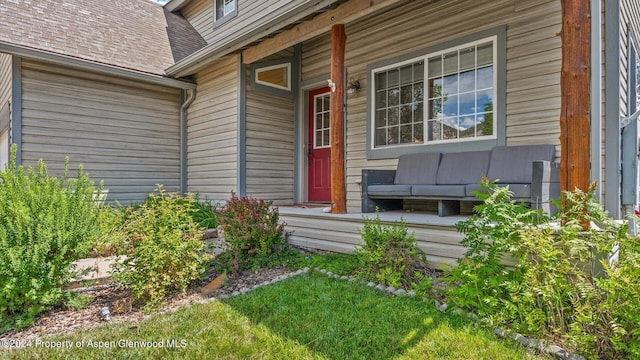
(121,131)
(212,131)
(533,64)
(312,229)
(269,144)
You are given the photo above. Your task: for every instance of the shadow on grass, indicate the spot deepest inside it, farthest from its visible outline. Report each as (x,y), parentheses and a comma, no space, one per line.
(342,320)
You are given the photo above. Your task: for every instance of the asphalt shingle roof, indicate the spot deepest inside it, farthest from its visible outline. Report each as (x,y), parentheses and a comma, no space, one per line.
(133,34)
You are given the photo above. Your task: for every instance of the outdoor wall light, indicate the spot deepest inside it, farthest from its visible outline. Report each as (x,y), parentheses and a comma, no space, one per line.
(353,86)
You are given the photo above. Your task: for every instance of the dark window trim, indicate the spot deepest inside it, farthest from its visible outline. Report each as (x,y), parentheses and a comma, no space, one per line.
(499,114)
(270,90)
(218,22)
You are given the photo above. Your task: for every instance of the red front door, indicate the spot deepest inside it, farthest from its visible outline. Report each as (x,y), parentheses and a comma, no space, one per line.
(319,146)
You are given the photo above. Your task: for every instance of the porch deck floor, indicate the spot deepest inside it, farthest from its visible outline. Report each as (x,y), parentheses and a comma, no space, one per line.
(411,217)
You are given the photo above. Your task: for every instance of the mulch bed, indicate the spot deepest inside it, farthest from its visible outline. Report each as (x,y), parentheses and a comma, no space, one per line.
(63,321)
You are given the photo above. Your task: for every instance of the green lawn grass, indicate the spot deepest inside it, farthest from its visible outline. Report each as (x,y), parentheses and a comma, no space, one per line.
(306,317)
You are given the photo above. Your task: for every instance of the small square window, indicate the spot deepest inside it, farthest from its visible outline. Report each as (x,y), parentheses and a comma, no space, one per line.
(223,11)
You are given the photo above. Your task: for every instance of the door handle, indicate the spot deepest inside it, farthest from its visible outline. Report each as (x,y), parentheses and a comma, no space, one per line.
(309,152)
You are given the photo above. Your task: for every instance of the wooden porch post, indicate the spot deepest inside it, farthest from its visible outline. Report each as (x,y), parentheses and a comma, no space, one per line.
(575,95)
(338,190)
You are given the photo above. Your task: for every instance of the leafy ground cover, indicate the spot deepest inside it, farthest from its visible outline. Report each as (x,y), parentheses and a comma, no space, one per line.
(306,317)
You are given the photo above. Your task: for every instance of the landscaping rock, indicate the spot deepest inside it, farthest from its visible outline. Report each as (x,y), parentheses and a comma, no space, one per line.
(401,292)
(210,234)
(343,277)
(329,273)
(371,284)
(576,357)
(352,280)
(411,293)
(521,339)
(443,307)
(380,287)
(500,333)
(213,285)
(557,351)
(391,289)
(436,302)
(235,293)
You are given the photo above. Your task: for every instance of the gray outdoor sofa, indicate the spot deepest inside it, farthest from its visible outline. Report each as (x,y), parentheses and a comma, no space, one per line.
(449,178)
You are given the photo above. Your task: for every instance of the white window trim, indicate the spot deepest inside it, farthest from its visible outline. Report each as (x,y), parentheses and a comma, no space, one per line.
(267,68)
(315,131)
(424,58)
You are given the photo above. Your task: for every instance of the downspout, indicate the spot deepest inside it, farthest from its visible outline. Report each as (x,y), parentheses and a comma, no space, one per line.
(183,136)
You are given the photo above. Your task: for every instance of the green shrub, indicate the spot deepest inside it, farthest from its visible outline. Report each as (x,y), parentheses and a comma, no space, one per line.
(111,239)
(46,223)
(550,292)
(389,255)
(205,214)
(252,232)
(165,248)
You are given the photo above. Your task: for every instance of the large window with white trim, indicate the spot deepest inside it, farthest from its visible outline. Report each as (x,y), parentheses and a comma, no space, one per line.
(442,97)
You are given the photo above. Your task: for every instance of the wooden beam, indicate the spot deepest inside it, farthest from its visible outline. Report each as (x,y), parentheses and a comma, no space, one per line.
(343,14)
(338,188)
(575,95)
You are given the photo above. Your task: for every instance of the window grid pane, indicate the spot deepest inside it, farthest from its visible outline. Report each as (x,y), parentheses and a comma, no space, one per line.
(322,121)
(398,105)
(461,93)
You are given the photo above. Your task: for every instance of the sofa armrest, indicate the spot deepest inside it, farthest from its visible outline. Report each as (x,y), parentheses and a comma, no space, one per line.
(376,177)
(545,185)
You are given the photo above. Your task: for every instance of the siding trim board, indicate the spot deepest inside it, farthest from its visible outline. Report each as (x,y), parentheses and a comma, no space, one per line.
(595,111)
(612,110)
(16,108)
(242,127)
(296,72)
(500,92)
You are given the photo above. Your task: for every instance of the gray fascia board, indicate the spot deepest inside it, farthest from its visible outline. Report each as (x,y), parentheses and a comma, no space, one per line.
(612,110)
(65,60)
(286,16)
(16,106)
(596,95)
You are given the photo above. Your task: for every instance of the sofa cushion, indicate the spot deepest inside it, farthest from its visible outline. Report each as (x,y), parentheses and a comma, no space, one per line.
(520,191)
(389,190)
(463,168)
(420,168)
(513,164)
(438,190)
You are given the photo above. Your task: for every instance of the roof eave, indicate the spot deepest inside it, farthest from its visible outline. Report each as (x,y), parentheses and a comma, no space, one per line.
(175,5)
(211,52)
(88,65)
